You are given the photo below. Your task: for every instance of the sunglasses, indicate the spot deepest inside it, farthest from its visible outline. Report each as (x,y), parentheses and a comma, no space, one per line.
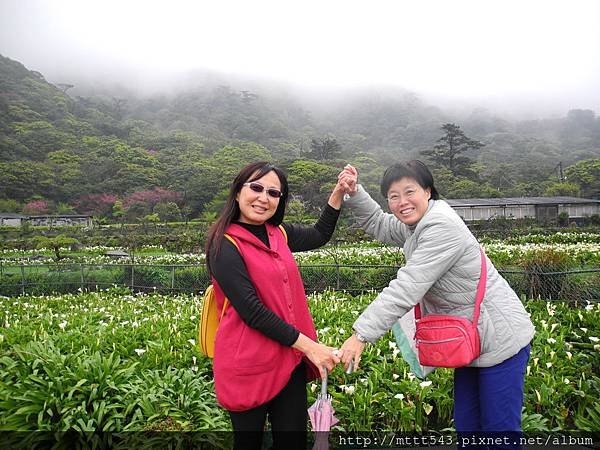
(258,188)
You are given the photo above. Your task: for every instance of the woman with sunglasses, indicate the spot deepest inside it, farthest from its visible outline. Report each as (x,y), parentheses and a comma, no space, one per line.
(266,347)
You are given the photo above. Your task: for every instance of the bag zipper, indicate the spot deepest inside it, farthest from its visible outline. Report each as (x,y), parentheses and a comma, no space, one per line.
(442,341)
(465,335)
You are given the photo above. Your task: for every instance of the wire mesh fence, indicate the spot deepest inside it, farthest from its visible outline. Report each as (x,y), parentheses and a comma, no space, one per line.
(580,285)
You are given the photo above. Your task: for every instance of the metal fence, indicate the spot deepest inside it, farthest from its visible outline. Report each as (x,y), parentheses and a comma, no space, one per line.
(38,279)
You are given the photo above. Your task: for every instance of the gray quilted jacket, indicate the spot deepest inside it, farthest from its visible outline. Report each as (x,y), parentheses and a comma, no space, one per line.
(442,269)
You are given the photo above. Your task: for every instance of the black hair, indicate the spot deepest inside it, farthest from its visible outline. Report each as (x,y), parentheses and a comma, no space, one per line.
(231,211)
(409,169)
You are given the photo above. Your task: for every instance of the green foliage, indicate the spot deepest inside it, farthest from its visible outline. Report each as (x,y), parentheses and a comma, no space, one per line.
(296,212)
(168,211)
(545,274)
(312,181)
(56,243)
(64,209)
(465,188)
(10,206)
(60,148)
(585,174)
(150,218)
(112,361)
(21,180)
(450,149)
(325,148)
(562,190)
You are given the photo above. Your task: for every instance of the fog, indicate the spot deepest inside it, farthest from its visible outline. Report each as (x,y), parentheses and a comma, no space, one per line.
(530,58)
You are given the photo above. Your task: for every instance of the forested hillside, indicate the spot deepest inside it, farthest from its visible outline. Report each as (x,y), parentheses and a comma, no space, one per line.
(174,155)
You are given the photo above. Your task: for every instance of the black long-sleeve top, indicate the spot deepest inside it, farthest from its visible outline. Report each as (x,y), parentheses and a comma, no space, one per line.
(230,271)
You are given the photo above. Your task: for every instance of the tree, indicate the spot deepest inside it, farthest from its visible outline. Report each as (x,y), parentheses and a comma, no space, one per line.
(586,174)
(449,150)
(97,205)
(136,210)
(584,117)
(312,181)
(167,211)
(501,176)
(230,159)
(36,207)
(11,206)
(296,211)
(64,209)
(64,87)
(56,243)
(198,182)
(41,137)
(65,166)
(149,199)
(21,180)
(326,148)
(118,212)
(217,203)
(562,190)
(465,188)
(150,218)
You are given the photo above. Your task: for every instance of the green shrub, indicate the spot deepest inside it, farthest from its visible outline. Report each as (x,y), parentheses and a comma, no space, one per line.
(544,274)
(191,279)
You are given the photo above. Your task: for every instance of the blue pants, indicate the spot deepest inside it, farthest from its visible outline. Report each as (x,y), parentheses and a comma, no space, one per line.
(488,403)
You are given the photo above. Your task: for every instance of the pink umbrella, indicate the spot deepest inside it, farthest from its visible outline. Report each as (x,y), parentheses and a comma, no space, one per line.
(322,418)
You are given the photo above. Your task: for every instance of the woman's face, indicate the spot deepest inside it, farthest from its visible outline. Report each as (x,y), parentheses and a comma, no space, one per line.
(258,207)
(407,200)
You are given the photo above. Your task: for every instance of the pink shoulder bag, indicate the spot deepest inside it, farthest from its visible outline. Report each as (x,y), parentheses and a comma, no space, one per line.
(448,341)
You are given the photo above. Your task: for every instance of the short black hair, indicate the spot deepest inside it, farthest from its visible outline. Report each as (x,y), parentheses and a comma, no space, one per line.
(409,169)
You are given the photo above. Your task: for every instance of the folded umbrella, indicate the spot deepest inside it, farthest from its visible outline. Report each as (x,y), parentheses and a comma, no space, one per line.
(321,417)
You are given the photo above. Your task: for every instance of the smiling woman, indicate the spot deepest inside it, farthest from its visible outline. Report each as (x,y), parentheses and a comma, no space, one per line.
(259,199)
(408,189)
(265,347)
(447,275)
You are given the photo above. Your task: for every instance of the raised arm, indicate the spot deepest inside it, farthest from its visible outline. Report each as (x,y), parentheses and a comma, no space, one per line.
(303,238)
(368,214)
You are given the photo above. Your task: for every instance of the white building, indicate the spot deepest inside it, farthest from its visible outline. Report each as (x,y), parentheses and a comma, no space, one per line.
(543,209)
(16,220)
(10,219)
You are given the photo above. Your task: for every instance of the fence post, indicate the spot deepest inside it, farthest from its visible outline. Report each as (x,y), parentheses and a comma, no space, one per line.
(81,272)
(22,279)
(337,275)
(172,278)
(132,276)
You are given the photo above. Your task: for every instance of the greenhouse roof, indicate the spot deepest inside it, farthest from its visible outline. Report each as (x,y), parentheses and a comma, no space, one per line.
(515,201)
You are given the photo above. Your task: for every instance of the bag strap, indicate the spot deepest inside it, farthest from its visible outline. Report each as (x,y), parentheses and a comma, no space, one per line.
(230,238)
(283,232)
(226,302)
(480,291)
(480,287)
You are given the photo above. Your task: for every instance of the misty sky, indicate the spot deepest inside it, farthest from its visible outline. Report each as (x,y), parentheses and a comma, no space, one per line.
(542,52)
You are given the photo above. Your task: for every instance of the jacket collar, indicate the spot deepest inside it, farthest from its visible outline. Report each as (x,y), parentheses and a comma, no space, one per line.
(243,234)
(429,206)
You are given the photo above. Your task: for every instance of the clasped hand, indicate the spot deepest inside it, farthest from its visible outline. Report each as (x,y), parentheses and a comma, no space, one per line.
(348,180)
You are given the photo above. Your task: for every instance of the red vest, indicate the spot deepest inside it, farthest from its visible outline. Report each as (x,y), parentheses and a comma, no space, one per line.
(249,367)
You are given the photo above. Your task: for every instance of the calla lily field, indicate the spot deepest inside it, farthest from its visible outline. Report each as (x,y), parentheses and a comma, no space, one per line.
(113,361)
(116,361)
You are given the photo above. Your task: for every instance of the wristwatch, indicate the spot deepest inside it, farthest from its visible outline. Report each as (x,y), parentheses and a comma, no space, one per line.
(360,337)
